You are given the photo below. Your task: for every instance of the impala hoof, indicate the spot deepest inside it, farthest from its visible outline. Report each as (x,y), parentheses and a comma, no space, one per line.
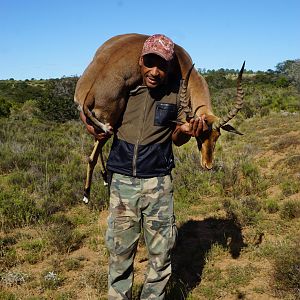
(85,199)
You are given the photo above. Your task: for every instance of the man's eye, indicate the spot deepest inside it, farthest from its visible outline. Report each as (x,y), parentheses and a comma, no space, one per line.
(148,63)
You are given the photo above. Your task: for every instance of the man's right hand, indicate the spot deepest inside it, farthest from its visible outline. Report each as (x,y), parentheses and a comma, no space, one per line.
(97,133)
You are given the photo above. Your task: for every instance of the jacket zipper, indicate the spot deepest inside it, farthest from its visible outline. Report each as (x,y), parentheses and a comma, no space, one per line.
(135,152)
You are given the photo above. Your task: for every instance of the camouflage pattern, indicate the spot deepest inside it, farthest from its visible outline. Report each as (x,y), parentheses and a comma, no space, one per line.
(137,203)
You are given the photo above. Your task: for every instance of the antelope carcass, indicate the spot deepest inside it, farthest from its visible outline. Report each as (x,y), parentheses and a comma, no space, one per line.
(102,90)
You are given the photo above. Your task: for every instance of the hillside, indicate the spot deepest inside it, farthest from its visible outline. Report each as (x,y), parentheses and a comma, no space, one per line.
(234,222)
(238,224)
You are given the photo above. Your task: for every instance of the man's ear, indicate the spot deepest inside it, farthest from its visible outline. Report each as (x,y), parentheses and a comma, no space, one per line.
(141,61)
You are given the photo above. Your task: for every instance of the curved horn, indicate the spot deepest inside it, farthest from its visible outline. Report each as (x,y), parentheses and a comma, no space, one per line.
(184,102)
(238,104)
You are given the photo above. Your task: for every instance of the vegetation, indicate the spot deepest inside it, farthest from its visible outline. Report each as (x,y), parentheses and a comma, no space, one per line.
(238,225)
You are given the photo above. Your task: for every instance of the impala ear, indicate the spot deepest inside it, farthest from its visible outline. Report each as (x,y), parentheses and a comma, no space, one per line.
(229,128)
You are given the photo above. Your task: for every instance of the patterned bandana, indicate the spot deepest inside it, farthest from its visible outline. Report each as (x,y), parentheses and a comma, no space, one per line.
(159,44)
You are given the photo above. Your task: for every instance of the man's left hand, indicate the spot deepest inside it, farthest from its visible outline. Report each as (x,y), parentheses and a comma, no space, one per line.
(195,126)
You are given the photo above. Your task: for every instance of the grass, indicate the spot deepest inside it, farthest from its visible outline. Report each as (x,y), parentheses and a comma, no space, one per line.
(290,187)
(271,205)
(63,236)
(237,223)
(35,250)
(287,270)
(51,280)
(290,209)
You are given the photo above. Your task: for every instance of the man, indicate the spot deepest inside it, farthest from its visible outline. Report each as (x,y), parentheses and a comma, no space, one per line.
(140,161)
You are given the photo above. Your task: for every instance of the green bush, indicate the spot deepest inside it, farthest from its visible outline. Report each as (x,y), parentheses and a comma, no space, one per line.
(4,108)
(8,256)
(239,177)
(287,270)
(63,236)
(290,209)
(35,250)
(17,209)
(289,187)
(7,296)
(246,211)
(72,264)
(271,205)
(58,104)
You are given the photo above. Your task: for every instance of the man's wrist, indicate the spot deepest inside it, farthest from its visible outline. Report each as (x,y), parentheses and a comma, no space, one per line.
(179,137)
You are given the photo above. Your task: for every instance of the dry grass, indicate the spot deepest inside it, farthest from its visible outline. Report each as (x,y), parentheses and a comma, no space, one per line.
(234,222)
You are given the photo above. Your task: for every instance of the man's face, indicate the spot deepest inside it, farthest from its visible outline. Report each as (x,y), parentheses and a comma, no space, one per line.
(154,70)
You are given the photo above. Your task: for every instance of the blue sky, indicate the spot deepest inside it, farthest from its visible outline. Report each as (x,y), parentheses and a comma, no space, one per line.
(55,38)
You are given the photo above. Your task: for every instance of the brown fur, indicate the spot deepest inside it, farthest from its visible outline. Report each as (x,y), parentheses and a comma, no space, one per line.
(114,70)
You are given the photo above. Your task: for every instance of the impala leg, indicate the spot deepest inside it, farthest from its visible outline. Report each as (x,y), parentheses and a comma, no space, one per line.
(93,158)
(103,169)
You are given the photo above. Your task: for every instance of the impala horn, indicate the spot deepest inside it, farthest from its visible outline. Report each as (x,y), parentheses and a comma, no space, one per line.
(238,105)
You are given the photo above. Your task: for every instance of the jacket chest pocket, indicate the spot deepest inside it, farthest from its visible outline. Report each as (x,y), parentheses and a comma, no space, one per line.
(164,114)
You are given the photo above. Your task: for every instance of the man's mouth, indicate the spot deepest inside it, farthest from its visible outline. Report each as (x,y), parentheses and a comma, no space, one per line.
(152,80)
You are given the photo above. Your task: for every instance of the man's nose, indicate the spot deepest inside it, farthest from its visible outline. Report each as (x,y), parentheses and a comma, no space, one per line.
(154,71)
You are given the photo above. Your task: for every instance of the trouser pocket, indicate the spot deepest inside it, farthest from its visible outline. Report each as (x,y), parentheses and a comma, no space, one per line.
(160,235)
(122,234)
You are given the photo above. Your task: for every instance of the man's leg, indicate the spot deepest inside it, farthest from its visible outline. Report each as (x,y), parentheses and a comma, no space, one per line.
(122,235)
(160,234)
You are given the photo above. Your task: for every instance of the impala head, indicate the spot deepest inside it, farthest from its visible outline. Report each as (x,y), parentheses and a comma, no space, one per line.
(206,143)
(207,140)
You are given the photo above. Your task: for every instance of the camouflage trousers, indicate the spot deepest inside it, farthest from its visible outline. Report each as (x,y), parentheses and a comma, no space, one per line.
(135,204)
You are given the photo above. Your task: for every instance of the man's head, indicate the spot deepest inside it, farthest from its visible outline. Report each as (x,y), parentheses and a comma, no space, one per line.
(157,53)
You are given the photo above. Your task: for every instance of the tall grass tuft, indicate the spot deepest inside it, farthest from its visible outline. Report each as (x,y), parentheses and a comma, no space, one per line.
(290,209)
(245,211)
(287,270)
(63,236)
(17,209)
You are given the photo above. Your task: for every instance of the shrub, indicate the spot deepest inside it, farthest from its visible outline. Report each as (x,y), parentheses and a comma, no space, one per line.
(20,178)
(287,270)
(26,111)
(246,211)
(290,209)
(293,161)
(58,104)
(7,296)
(240,177)
(72,264)
(4,107)
(14,278)
(8,258)
(264,111)
(35,250)
(62,235)
(289,187)
(96,279)
(17,209)
(51,280)
(271,205)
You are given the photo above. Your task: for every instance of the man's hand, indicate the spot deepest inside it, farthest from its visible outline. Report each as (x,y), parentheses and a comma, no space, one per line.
(195,127)
(184,132)
(97,133)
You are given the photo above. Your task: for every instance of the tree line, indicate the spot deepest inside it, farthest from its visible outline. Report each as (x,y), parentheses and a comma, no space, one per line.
(52,99)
